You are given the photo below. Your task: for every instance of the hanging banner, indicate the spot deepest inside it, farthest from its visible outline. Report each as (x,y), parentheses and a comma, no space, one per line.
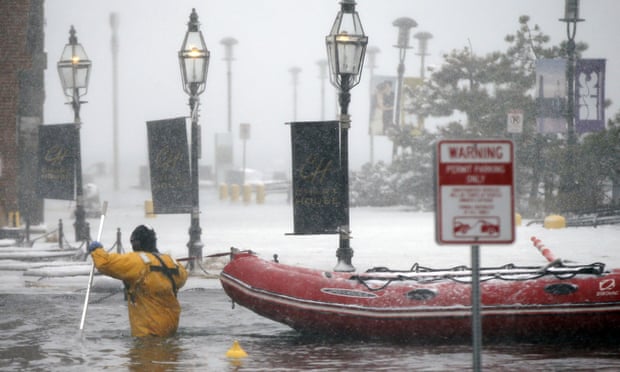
(58,147)
(318,183)
(410,118)
(169,166)
(551,98)
(382,100)
(589,95)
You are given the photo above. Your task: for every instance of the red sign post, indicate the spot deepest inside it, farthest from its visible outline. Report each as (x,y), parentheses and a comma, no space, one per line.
(475,192)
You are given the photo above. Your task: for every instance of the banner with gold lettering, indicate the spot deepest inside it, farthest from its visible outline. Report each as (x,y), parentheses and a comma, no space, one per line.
(318,183)
(58,146)
(169,166)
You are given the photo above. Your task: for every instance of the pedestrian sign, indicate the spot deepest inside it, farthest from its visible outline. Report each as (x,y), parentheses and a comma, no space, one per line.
(475,192)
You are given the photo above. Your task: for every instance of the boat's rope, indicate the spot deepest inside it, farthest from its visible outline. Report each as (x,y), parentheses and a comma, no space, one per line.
(462,274)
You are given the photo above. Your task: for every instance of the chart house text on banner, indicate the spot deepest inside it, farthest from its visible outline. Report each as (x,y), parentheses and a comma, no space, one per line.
(475,192)
(318,183)
(58,147)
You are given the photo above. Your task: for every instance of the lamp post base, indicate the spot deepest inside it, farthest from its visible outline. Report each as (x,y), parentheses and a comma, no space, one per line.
(194,246)
(344,253)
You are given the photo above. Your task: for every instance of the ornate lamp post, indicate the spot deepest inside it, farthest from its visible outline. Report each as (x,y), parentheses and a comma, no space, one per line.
(571,18)
(346,47)
(194,62)
(404,25)
(74,71)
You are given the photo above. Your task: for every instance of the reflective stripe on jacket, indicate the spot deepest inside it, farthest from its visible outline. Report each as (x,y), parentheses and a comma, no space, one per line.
(153,307)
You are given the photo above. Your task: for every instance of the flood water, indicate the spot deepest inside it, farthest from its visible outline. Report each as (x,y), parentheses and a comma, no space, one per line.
(40,317)
(40,332)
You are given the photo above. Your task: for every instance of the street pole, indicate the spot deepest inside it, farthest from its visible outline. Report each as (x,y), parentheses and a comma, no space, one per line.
(195,245)
(194,62)
(346,48)
(568,187)
(371,53)
(344,253)
(82,229)
(114,47)
(295,77)
(74,71)
(323,76)
(228,43)
(404,25)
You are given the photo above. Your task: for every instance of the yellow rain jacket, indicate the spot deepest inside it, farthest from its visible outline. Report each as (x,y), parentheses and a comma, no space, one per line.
(151,296)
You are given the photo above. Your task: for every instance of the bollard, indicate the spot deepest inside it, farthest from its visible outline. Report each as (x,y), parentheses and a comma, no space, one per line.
(247,193)
(61,234)
(14,219)
(119,242)
(234,193)
(260,194)
(554,221)
(149,211)
(546,252)
(223,191)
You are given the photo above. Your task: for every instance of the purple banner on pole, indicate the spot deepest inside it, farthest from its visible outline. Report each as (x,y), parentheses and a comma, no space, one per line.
(589,95)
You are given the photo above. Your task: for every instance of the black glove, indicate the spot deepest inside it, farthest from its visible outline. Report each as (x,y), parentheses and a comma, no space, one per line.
(94,245)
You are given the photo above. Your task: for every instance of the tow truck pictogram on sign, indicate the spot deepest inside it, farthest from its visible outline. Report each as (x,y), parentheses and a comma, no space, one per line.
(476,226)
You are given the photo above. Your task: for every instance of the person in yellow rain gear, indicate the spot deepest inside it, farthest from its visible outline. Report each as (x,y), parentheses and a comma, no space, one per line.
(151,280)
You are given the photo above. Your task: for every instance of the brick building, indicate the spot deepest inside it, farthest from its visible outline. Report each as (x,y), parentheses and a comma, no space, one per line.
(22,66)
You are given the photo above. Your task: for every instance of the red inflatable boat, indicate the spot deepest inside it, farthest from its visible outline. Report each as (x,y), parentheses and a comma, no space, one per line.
(552,302)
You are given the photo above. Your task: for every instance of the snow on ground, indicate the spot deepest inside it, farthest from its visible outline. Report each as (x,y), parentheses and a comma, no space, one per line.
(392,237)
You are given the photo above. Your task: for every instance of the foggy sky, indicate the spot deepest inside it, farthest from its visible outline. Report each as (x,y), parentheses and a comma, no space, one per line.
(273,36)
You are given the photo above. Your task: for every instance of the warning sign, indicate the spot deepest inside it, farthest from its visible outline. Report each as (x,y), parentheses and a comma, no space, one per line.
(475,192)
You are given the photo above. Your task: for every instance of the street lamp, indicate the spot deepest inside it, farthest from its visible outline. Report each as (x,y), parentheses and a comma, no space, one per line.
(228,43)
(404,25)
(571,18)
(194,62)
(74,71)
(423,38)
(346,47)
(295,78)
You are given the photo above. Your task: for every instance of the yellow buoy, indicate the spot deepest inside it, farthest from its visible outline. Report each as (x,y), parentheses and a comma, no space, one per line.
(149,209)
(554,221)
(236,351)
